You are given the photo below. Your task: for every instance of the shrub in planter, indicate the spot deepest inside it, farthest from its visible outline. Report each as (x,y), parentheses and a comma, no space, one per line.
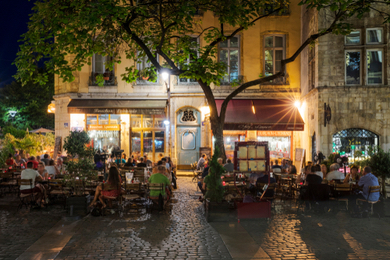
(215,190)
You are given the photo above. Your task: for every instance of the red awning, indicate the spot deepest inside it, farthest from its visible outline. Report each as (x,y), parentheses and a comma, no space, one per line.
(270,114)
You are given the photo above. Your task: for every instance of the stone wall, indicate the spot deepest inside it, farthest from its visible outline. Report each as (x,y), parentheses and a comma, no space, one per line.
(355,107)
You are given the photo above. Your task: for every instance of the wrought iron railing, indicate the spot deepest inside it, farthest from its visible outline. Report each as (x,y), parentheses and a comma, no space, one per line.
(111,81)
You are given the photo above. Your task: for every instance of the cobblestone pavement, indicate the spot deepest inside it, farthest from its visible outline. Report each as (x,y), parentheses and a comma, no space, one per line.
(20,229)
(314,235)
(182,233)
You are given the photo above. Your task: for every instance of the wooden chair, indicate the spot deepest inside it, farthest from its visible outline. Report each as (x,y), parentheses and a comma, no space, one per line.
(133,195)
(155,200)
(271,187)
(26,199)
(57,191)
(341,192)
(8,181)
(372,189)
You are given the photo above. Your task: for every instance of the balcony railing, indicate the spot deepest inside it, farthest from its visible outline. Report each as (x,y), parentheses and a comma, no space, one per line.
(111,81)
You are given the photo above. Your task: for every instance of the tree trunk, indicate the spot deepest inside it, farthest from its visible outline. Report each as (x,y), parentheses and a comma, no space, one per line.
(217,128)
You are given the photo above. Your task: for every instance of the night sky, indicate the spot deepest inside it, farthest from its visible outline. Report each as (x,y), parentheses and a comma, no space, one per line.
(14,15)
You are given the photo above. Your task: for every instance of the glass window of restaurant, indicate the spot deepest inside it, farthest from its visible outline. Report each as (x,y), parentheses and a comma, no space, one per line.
(104,130)
(279,143)
(229,139)
(147,135)
(354,143)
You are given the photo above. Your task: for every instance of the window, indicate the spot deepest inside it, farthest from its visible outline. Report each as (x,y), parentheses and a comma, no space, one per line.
(194,52)
(374,36)
(354,143)
(374,67)
(99,67)
(367,55)
(274,52)
(144,64)
(353,38)
(352,68)
(229,53)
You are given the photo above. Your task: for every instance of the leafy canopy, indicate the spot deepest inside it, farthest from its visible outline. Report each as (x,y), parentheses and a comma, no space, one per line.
(126,29)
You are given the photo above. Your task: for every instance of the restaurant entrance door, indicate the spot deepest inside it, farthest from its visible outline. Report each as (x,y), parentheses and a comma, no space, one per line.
(188,137)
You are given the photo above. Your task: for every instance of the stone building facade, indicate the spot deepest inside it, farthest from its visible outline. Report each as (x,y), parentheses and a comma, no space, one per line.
(350,74)
(146,117)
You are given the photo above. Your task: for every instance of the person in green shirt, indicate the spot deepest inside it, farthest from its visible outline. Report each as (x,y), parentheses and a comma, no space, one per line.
(158,177)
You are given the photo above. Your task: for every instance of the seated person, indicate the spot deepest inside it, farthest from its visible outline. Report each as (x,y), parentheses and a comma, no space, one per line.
(30,174)
(59,167)
(98,161)
(141,163)
(316,169)
(114,180)
(353,175)
(42,171)
(159,177)
(148,162)
(19,161)
(201,184)
(130,162)
(312,177)
(334,173)
(35,162)
(229,166)
(50,169)
(119,161)
(276,165)
(10,161)
(264,179)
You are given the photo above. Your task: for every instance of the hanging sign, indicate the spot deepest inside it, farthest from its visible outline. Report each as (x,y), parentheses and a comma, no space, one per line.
(104,127)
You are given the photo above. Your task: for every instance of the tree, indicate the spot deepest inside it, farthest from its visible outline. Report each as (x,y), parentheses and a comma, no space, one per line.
(151,28)
(380,165)
(30,103)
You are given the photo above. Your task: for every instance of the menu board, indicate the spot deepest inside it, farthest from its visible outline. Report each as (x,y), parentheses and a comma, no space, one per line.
(251,156)
(261,165)
(252,165)
(243,152)
(251,152)
(243,166)
(261,152)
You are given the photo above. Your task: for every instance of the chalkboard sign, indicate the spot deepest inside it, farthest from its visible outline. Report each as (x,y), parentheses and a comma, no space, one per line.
(57,146)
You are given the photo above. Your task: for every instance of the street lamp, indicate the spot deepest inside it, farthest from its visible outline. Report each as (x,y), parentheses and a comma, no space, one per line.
(12,113)
(166,77)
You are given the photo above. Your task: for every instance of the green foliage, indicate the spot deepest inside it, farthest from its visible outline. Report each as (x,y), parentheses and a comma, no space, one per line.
(215,190)
(18,133)
(81,167)
(380,163)
(30,101)
(33,144)
(75,144)
(6,149)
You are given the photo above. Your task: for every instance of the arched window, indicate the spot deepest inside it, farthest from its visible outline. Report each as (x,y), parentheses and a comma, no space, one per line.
(349,141)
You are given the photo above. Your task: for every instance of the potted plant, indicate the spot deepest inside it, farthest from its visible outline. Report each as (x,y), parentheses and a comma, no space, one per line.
(216,208)
(80,168)
(106,75)
(380,165)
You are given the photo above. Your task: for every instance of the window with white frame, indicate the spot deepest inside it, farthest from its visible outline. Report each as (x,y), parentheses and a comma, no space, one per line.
(229,53)
(99,64)
(274,53)
(144,63)
(194,52)
(353,38)
(367,55)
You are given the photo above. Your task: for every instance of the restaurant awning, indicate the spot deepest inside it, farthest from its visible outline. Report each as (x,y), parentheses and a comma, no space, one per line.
(117,106)
(268,114)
